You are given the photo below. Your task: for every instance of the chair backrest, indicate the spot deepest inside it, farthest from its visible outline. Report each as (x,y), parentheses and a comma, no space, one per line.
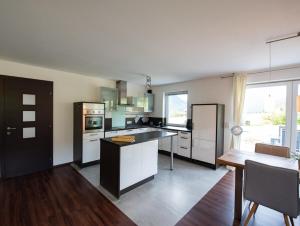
(273,187)
(272,150)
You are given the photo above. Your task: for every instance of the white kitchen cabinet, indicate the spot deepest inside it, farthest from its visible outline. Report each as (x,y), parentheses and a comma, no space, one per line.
(137,162)
(91,146)
(184,144)
(91,150)
(207,133)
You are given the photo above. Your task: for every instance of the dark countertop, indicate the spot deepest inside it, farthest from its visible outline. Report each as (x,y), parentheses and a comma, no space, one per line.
(126,127)
(174,128)
(142,137)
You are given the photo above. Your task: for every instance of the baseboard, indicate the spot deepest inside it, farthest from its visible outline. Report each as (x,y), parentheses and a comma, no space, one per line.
(82,165)
(63,164)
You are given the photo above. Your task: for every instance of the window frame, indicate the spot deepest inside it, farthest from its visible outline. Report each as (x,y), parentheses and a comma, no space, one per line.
(289,102)
(167,108)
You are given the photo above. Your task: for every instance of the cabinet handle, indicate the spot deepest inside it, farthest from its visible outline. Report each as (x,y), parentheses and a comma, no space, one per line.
(94,140)
(184,138)
(183,147)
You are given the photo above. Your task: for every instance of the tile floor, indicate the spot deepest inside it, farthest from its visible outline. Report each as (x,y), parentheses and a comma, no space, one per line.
(166,199)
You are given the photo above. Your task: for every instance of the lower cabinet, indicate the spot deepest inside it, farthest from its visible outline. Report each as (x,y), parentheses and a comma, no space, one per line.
(204,150)
(181,144)
(90,150)
(184,144)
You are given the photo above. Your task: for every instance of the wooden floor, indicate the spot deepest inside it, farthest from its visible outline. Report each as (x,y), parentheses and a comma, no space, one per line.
(216,209)
(62,197)
(56,197)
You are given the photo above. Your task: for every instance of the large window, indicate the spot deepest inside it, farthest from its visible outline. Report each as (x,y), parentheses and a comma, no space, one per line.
(176,108)
(265,115)
(272,115)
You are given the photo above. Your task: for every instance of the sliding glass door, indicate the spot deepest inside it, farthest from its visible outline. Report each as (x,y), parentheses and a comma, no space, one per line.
(267,115)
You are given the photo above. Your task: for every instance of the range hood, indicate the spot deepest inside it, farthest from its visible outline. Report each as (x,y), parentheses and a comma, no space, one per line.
(138,104)
(123,99)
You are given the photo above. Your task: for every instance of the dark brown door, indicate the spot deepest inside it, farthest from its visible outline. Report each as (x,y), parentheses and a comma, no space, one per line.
(27,107)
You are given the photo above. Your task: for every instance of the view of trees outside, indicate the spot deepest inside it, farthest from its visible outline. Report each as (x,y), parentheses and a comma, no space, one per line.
(177,109)
(264,116)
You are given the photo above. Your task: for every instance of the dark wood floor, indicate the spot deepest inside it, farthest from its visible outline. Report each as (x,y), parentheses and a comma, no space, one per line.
(216,209)
(63,197)
(56,197)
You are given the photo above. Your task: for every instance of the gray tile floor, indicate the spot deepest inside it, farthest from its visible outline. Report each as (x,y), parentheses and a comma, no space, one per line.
(166,199)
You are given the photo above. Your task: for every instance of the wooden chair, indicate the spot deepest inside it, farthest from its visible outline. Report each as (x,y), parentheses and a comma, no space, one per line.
(272,150)
(279,191)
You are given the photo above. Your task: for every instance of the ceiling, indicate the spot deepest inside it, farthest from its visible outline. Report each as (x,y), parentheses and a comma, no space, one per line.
(171,40)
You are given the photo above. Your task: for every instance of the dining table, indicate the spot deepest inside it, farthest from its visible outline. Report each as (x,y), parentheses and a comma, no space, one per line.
(237,158)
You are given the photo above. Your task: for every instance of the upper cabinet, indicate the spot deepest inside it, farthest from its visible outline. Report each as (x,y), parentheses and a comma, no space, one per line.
(148,102)
(140,104)
(109,96)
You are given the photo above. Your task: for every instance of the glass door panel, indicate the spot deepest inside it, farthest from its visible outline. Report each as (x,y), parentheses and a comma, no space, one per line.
(265,116)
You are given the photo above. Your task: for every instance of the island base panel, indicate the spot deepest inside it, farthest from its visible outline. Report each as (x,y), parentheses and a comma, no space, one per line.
(136,185)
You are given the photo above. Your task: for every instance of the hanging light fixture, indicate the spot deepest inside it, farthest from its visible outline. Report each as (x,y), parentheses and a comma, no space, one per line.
(148,84)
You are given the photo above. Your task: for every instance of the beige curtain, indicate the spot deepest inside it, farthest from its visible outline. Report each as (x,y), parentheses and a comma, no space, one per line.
(239,89)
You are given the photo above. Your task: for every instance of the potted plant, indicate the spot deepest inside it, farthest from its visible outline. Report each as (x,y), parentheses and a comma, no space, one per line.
(296,155)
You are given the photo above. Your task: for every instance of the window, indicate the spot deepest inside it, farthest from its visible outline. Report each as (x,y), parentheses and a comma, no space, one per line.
(264,117)
(272,115)
(176,108)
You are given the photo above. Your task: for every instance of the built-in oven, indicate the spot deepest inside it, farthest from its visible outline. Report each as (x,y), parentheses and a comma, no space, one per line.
(93,118)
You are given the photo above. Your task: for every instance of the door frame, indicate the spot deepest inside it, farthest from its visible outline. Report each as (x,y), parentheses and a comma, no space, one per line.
(2,123)
(2,168)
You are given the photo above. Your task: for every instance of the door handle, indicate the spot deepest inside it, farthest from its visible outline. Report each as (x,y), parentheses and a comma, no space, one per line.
(11,128)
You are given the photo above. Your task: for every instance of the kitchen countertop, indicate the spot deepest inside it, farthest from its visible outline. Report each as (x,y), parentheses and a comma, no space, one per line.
(142,137)
(174,128)
(126,127)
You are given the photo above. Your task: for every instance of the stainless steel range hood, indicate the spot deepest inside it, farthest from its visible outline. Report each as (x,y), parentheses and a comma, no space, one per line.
(123,99)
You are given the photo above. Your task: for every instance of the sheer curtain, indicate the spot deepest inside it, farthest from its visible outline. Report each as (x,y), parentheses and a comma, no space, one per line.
(239,89)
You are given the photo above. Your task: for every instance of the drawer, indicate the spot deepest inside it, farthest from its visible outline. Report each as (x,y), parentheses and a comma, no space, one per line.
(184,151)
(182,147)
(186,142)
(184,135)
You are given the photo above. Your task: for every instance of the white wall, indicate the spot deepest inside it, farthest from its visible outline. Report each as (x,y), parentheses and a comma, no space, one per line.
(210,90)
(135,90)
(68,88)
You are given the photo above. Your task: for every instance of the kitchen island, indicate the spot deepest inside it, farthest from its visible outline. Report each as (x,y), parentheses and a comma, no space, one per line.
(125,166)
